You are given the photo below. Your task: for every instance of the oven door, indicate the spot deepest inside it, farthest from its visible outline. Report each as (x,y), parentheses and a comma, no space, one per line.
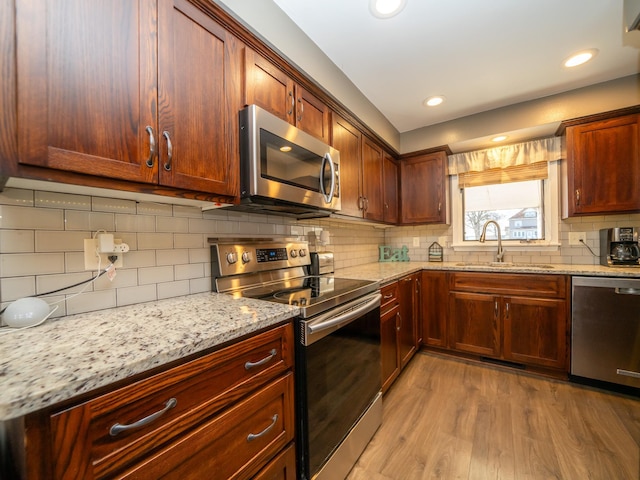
(337,378)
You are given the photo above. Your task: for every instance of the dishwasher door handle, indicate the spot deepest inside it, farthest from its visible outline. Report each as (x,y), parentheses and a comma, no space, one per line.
(628,373)
(628,291)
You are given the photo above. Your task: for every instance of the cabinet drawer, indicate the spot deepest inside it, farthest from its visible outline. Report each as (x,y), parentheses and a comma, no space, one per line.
(389,296)
(201,388)
(523,284)
(283,467)
(233,445)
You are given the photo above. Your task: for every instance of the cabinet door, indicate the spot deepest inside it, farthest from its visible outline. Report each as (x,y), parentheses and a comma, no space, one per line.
(389,331)
(535,331)
(604,166)
(268,87)
(312,115)
(475,323)
(199,98)
(423,186)
(372,188)
(87,82)
(408,333)
(347,140)
(390,178)
(434,295)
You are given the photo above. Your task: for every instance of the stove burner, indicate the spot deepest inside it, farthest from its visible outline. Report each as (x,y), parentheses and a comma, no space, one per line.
(295,296)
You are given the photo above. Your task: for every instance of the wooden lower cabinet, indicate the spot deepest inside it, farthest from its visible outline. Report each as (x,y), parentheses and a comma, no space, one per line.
(399,326)
(227,414)
(521,318)
(434,292)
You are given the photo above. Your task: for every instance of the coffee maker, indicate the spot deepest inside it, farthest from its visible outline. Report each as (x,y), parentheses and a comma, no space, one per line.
(619,247)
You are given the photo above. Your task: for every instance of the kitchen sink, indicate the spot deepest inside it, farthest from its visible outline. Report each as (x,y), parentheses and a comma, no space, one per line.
(505,265)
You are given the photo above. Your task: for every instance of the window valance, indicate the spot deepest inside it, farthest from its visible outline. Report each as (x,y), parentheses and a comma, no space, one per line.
(527,153)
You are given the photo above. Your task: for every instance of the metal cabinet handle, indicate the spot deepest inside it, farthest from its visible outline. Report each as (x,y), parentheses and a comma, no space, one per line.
(301,111)
(119,428)
(578,196)
(360,202)
(293,103)
(506,306)
(253,436)
(268,358)
(152,146)
(167,165)
(439,207)
(398,321)
(495,308)
(386,297)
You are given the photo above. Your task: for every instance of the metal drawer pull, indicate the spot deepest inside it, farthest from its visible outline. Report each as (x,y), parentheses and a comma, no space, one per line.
(389,295)
(628,373)
(118,428)
(152,146)
(250,365)
(254,436)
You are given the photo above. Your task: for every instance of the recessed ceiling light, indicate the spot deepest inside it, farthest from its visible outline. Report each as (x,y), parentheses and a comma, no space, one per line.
(499,138)
(434,101)
(580,57)
(386,8)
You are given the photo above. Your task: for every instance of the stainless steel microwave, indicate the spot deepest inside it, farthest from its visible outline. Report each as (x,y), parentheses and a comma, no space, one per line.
(284,170)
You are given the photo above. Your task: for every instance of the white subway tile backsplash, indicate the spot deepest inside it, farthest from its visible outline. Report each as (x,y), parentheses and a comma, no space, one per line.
(158,209)
(201,225)
(199,255)
(135,223)
(185,272)
(125,277)
(140,294)
(17,196)
(172,257)
(200,285)
(155,275)
(60,241)
(17,241)
(154,241)
(62,200)
(189,240)
(21,264)
(186,211)
(12,288)
(89,221)
(172,224)
(92,301)
(139,258)
(115,205)
(173,289)
(28,218)
(48,283)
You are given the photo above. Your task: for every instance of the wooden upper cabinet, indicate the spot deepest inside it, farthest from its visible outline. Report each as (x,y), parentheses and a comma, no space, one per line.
(272,89)
(134,90)
(390,177)
(372,186)
(199,97)
(424,188)
(603,166)
(347,140)
(87,88)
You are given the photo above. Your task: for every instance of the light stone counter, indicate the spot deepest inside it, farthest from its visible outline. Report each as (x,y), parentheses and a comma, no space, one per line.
(386,272)
(61,359)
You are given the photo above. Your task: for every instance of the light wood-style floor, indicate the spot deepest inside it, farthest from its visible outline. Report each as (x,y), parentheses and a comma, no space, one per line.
(448,419)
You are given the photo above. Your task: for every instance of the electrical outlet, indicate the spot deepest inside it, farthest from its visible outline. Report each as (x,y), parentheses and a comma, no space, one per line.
(416,241)
(575,237)
(91,255)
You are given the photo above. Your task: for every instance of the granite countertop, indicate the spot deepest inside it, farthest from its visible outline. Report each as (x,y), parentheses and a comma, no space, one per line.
(385,272)
(61,359)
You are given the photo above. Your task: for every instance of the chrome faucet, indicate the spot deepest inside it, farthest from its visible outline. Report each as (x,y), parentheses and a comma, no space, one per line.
(500,254)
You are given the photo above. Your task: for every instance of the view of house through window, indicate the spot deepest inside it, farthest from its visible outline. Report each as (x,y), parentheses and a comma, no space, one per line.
(517,207)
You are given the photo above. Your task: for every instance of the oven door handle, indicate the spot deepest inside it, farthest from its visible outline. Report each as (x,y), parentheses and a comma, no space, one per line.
(325,324)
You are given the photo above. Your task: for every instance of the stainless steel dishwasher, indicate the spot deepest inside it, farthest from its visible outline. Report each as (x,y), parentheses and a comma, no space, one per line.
(605,337)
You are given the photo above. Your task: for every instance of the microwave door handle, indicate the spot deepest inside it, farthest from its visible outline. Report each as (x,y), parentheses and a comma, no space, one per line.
(325,159)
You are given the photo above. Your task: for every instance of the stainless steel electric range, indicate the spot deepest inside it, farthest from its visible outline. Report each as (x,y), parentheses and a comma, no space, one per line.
(337,371)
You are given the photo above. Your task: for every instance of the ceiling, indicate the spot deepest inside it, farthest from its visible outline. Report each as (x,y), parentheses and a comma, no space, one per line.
(480,55)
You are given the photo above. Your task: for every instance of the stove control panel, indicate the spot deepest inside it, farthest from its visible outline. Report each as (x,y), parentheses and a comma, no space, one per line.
(238,258)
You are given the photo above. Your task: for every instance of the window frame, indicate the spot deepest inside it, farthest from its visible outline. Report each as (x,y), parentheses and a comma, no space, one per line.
(551,206)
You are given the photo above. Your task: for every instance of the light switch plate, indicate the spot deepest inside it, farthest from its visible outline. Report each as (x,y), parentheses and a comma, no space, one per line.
(416,241)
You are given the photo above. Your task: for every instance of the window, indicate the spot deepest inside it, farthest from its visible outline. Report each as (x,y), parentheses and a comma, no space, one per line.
(527,212)
(517,207)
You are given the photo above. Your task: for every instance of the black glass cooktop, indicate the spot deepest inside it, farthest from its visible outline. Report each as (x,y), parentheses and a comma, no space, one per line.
(313,294)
